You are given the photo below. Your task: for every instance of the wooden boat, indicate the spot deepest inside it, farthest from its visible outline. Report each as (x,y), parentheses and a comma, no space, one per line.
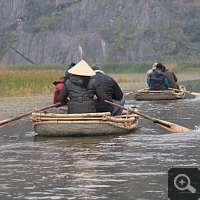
(170,94)
(86,124)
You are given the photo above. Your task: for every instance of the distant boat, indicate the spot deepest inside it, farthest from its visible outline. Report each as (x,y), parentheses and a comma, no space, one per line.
(86,124)
(146,94)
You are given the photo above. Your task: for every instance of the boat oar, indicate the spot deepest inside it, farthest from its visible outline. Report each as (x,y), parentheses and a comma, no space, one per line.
(167,125)
(126,94)
(188,92)
(8,121)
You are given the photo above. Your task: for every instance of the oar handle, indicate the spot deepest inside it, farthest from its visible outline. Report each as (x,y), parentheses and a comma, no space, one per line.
(140,114)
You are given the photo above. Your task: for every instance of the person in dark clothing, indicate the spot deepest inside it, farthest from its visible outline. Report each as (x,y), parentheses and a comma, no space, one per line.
(81,88)
(157,80)
(172,79)
(111,89)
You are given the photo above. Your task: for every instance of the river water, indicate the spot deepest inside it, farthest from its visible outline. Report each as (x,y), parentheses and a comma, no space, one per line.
(133,166)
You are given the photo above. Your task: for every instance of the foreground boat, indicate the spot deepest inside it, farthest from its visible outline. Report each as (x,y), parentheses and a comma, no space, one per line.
(146,94)
(87,124)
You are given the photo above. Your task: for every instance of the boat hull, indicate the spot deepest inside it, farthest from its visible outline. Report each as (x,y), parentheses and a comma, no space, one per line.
(159,95)
(80,129)
(88,124)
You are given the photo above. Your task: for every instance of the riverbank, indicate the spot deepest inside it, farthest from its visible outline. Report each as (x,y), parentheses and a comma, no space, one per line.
(14,106)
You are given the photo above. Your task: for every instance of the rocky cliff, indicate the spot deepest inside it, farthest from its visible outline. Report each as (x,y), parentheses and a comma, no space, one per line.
(93,30)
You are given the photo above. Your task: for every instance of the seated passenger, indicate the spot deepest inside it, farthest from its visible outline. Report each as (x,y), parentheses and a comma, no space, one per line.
(63,109)
(171,78)
(59,85)
(111,89)
(157,80)
(81,88)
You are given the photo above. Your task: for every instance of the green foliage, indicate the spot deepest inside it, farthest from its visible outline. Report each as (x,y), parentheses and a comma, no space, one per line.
(179,14)
(193,30)
(184,31)
(193,12)
(126,68)
(108,67)
(7,39)
(154,4)
(83,25)
(150,31)
(119,37)
(42,19)
(29,66)
(113,67)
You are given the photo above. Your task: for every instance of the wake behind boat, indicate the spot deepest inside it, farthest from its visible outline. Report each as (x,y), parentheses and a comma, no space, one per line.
(146,94)
(86,124)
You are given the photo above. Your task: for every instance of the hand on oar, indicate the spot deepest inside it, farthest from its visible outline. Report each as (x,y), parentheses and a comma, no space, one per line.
(188,92)
(8,121)
(167,125)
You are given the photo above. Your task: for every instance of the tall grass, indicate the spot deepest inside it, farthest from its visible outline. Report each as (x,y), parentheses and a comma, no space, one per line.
(24,83)
(26,79)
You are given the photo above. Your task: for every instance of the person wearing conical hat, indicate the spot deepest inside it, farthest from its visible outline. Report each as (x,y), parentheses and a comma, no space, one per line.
(81,88)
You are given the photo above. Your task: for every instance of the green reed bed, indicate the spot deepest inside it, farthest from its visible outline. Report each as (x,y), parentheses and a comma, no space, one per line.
(24,83)
(115,68)
(26,79)
(27,82)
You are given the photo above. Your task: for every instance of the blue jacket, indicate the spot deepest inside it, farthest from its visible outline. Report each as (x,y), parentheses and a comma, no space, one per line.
(158,80)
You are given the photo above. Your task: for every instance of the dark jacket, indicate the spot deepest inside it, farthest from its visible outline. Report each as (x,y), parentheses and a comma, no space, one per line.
(59,86)
(172,79)
(81,99)
(111,89)
(158,80)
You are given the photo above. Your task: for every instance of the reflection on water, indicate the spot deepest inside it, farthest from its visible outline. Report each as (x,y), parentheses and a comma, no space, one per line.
(132,166)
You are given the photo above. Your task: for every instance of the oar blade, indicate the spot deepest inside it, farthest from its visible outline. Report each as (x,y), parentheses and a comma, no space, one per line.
(174,128)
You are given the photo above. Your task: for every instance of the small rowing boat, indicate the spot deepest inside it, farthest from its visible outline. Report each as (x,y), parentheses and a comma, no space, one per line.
(146,94)
(86,124)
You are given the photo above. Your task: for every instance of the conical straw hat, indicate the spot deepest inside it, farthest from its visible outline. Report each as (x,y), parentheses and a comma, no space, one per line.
(82,69)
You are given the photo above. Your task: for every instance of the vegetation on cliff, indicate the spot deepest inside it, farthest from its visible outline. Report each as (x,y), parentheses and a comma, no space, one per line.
(180,42)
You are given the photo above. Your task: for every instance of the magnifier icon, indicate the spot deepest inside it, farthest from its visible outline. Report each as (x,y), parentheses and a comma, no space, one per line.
(182,182)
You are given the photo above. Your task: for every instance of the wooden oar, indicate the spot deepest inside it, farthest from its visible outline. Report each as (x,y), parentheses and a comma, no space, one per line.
(188,92)
(167,125)
(8,121)
(192,93)
(125,94)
